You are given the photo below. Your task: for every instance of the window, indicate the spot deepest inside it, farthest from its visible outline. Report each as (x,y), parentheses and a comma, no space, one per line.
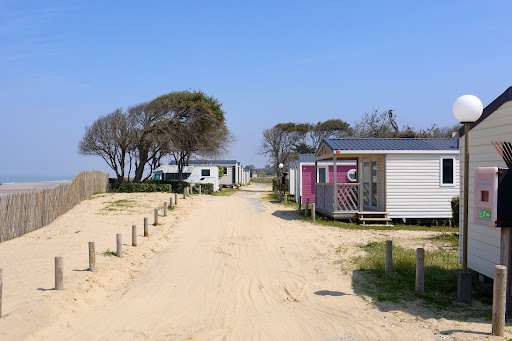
(225,170)
(322,175)
(352,175)
(205,172)
(447,171)
(156,177)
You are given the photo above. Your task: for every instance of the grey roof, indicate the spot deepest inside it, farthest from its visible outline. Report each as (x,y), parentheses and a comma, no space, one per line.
(488,110)
(306,157)
(209,162)
(393,144)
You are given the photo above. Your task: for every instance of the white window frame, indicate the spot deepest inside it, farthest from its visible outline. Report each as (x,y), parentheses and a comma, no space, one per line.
(326,174)
(441,171)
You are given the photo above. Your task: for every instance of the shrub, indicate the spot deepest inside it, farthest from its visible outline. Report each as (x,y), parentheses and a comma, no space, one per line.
(206,188)
(132,187)
(112,183)
(455,211)
(177,186)
(276,184)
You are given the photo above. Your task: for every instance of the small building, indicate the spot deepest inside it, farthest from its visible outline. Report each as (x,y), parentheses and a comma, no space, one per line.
(232,174)
(396,178)
(494,126)
(195,175)
(302,175)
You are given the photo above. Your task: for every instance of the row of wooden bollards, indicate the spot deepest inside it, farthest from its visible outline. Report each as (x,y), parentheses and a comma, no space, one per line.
(306,209)
(59,260)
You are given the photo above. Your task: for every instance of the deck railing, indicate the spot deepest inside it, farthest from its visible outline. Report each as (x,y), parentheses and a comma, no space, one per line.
(347,197)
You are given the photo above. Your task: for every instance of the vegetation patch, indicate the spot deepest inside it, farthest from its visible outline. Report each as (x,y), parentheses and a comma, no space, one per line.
(440,294)
(109,253)
(118,205)
(225,192)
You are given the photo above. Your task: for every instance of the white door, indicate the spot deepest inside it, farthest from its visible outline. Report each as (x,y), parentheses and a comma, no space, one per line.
(370,183)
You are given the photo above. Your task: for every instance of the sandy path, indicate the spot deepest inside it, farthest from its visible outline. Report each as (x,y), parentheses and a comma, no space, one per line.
(234,268)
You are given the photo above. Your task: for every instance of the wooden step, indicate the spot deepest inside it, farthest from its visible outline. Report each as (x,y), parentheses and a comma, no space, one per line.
(377,225)
(374,219)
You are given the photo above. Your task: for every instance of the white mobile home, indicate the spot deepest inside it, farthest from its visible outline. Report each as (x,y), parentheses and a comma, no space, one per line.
(495,125)
(231,168)
(195,175)
(395,178)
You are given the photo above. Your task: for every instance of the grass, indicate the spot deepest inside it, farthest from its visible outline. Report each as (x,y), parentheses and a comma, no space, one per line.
(224,192)
(109,253)
(441,269)
(118,205)
(262,180)
(326,221)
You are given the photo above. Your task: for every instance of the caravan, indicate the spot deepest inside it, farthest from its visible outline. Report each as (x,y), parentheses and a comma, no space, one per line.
(192,174)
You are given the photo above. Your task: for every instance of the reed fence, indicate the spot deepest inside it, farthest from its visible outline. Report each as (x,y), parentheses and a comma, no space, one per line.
(23,212)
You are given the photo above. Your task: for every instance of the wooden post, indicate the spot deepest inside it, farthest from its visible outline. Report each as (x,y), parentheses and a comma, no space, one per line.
(171,202)
(59,273)
(134,235)
(119,240)
(389,257)
(499,300)
(156,217)
(165,209)
(1,287)
(199,189)
(146,228)
(313,211)
(420,270)
(176,198)
(92,257)
(286,198)
(185,193)
(334,180)
(307,208)
(300,203)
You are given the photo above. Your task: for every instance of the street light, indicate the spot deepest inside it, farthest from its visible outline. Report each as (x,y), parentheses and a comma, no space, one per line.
(466,109)
(281,179)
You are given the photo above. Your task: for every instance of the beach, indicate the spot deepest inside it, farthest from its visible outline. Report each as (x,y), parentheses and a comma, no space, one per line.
(215,268)
(28,186)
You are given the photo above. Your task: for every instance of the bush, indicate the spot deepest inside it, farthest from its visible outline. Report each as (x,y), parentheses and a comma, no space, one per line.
(112,183)
(132,187)
(276,184)
(177,186)
(455,211)
(205,188)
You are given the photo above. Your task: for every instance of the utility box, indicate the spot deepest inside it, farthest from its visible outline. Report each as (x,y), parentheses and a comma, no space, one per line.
(493,197)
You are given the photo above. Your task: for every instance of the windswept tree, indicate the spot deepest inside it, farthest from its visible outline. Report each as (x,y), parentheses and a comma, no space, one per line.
(333,128)
(111,138)
(195,126)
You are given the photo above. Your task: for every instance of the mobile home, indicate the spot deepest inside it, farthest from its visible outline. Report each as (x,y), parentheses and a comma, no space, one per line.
(231,168)
(195,175)
(494,126)
(395,178)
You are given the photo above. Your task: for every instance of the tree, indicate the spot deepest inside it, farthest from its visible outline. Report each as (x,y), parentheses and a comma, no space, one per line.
(195,125)
(278,142)
(333,128)
(111,138)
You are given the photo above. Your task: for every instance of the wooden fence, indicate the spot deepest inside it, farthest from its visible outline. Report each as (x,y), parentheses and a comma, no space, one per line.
(23,212)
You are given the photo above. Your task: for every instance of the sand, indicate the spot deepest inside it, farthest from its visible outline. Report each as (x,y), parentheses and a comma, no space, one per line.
(217,268)
(28,186)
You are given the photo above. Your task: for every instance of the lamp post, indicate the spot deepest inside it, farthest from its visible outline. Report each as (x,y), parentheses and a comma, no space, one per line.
(466,109)
(281,178)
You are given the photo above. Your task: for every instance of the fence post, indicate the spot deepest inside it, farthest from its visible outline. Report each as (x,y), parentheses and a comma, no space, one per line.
(313,211)
(156,217)
(306,209)
(134,235)
(176,198)
(185,193)
(59,273)
(199,189)
(119,240)
(146,228)
(420,270)
(165,209)
(1,287)
(300,203)
(171,202)
(92,257)
(499,300)
(389,257)
(286,198)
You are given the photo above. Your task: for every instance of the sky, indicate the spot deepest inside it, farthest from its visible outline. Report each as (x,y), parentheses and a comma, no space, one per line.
(63,64)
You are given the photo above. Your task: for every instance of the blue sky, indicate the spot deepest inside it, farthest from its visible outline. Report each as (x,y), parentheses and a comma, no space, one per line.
(65,63)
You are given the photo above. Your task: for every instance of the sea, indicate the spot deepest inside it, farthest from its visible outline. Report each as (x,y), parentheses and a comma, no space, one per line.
(14,179)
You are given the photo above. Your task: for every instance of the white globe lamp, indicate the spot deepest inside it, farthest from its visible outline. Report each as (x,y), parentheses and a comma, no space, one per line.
(467,109)
(281,165)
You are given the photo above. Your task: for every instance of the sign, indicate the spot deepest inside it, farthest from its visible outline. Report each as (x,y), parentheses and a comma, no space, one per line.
(484,214)
(337,152)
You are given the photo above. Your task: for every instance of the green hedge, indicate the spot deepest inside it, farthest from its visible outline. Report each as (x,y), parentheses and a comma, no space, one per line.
(455,211)
(205,188)
(177,186)
(276,184)
(132,187)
